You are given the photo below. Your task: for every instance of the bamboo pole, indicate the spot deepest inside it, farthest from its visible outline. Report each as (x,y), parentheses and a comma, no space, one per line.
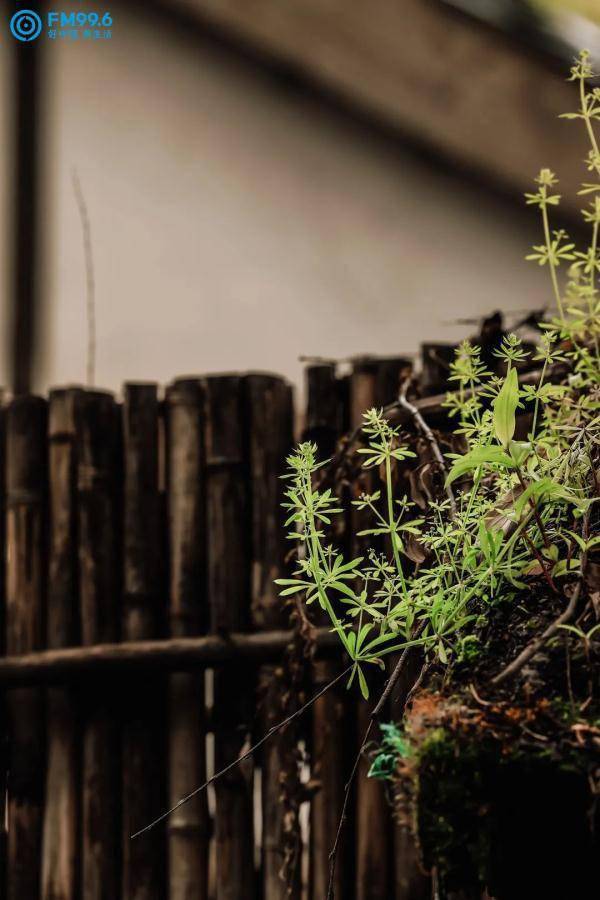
(104,661)
(4,761)
(229,589)
(143,740)
(26,464)
(61,815)
(97,459)
(373,383)
(270,437)
(188,826)
(331,724)
(385,851)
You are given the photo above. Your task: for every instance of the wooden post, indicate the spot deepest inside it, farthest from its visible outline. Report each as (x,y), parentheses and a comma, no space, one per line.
(383,849)
(270,437)
(410,881)
(435,367)
(26,463)
(188,826)
(332,731)
(373,383)
(228,531)
(144,765)
(60,853)
(4,761)
(97,459)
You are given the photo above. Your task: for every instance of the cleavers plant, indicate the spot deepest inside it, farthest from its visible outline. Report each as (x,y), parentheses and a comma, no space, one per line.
(521,505)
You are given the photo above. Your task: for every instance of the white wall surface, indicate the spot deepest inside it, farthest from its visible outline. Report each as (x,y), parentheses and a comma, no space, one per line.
(236,225)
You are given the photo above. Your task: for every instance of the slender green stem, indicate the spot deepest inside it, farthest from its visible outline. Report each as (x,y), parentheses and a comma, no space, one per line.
(594,143)
(476,414)
(586,117)
(537,399)
(591,298)
(552,263)
(534,507)
(472,495)
(314,549)
(594,249)
(392,523)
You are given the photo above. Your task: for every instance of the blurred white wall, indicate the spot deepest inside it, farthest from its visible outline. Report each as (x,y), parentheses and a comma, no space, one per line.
(236,225)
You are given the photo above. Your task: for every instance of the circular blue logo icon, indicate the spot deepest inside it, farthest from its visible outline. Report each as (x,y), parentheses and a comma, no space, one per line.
(26,25)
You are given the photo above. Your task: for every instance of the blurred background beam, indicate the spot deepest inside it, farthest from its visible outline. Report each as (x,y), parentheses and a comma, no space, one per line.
(482,93)
(24,299)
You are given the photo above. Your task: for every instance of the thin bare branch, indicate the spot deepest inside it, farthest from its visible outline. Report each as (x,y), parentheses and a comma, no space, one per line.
(89,280)
(532,648)
(431,440)
(537,643)
(342,819)
(396,673)
(400,665)
(272,731)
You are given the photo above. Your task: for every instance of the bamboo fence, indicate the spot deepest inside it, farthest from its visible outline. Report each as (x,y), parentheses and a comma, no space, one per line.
(145,645)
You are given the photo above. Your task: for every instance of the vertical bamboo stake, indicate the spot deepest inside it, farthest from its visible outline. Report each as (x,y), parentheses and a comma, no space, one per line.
(370,382)
(410,882)
(270,437)
(229,589)
(331,734)
(26,462)
(61,815)
(97,447)
(188,826)
(3,710)
(143,766)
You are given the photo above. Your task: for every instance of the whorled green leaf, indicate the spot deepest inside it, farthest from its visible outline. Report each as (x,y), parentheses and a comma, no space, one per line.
(479,456)
(505,407)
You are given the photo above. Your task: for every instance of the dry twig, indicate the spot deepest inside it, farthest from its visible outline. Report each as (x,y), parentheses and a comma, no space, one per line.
(431,440)
(537,643)
(89,279)
(392,681)
(244,756)
(342,819)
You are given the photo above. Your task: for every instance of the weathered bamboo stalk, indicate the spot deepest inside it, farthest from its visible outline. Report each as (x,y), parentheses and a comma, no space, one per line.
(373,383)
(4,762)
(26,469)
(410,881)
(387,852)
(60,854)
(331,726)
(143,740)
(188,827)
(138,657)
(228,526)
(270,433)
(97,462)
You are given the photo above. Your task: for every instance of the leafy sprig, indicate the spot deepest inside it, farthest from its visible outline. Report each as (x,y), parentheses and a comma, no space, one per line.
(517,514)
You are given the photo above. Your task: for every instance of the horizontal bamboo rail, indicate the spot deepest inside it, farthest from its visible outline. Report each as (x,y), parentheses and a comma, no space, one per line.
(175,654)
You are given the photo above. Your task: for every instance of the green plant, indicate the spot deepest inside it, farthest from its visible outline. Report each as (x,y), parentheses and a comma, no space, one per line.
(523,506)
(393,745)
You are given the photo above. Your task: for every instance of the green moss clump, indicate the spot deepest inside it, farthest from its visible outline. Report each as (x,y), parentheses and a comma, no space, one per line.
(451,808)
(517,822)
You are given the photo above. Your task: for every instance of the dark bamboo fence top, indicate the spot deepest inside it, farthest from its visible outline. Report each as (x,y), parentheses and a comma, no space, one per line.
(142,537)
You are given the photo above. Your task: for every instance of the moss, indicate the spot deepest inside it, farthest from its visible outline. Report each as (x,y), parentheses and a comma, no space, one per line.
(485,815)
(451,808)
(469,649)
